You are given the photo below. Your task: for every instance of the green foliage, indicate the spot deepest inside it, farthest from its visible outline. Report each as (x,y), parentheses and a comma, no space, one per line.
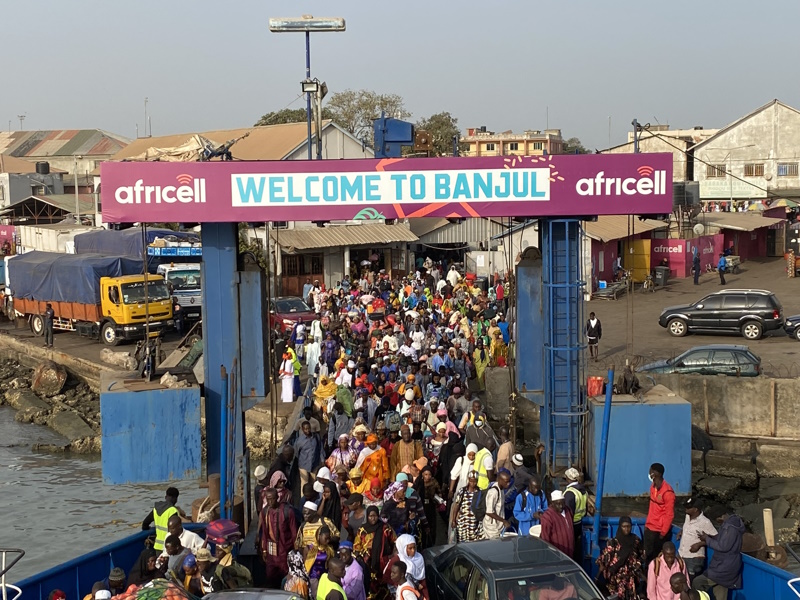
(354,110)
(442,127)
(573,146)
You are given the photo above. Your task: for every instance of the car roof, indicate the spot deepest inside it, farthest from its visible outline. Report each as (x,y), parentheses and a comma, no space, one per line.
(738,347)
(252,594)
(742,291)
(509,555)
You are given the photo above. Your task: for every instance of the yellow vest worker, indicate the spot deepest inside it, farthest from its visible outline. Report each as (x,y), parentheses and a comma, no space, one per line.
(481,468)
(160,515)
(326,586)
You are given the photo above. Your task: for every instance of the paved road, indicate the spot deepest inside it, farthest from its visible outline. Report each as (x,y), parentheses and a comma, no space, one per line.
(75,345)
(630,324)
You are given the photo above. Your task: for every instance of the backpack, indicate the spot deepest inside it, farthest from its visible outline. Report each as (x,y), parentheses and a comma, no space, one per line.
(238,574)
(479,505)
(392,420)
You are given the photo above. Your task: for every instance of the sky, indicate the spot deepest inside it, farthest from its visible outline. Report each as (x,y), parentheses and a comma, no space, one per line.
(568,64)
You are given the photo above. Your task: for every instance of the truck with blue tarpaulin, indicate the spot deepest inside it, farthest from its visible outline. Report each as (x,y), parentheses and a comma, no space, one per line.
(162,246)
(89,293)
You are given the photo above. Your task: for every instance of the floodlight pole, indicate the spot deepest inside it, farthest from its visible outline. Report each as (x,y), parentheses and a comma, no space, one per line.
(308,94)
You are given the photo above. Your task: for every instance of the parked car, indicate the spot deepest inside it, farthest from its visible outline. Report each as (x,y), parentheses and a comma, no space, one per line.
(285,311)
(748,312)
(792,326)
(509,568)
(715,359)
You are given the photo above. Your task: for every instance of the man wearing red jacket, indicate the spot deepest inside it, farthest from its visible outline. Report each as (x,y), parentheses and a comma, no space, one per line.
(658,527)
(557,525)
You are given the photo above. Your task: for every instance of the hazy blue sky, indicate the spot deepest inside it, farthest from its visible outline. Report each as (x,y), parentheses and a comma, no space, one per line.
(210,65)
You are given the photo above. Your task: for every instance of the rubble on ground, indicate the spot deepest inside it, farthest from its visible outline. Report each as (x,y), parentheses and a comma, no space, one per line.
(48,396)
(119,359)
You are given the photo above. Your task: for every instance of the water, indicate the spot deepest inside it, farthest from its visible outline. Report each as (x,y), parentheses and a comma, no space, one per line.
(56,507)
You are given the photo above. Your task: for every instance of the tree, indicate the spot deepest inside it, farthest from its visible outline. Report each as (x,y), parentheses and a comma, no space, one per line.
(442,127)
(573,146)
(289,115)
(354,110)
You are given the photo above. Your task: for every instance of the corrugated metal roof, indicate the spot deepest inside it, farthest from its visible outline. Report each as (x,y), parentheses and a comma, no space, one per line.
(616,227)
(11,164)
(424,225)
(464,232)
(61,142)
(342,235)
(737,221)
(273,142)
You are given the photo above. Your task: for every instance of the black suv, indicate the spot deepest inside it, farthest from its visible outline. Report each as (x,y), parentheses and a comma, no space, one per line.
(749,312)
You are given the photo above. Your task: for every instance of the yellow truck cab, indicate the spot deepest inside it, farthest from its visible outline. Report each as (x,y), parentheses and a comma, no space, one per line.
(127,306)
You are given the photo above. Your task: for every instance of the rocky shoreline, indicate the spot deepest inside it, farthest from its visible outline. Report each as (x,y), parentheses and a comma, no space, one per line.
(48,396)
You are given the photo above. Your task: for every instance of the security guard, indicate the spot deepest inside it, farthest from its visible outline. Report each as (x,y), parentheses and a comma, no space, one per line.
(576,498)
(160,515)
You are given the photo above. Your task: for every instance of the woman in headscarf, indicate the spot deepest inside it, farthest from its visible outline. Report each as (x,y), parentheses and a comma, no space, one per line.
(374,546)
(297,581)
(621,561)
(374,495)
(430,491)
(330,506)
(395,511)
(144,570)
(278,481)
(342,456)
(317,555)
(448,455)
(359,439)
(287,378)
(330,351)
(481,360)
(463,520)
(461,469)
(415,565)
(498,349)
(373,460)
(323,393)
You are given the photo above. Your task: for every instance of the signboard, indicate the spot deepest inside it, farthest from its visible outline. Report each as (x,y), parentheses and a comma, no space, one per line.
(174,251)
(728,187)
(394,188)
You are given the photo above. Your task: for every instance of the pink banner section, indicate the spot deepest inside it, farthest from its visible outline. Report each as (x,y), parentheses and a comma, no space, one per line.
(6,233)
(680,253)
(397,188)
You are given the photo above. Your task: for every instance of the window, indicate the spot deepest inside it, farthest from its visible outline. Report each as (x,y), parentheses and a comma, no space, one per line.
(715,171)
(291,265)
(734,301)
(515,146)
(787,169)
(490,146)
(754,170)
(280,224)
(537,145)
(723,357)
(457,574)
(478,587)
(694,359)
(711,303)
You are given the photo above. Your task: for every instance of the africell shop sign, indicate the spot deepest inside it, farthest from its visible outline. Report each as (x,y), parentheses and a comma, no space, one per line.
(561,185)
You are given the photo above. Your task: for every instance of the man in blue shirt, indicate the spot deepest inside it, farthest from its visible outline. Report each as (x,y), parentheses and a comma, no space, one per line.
(529,506)
(721,264)
(307,287)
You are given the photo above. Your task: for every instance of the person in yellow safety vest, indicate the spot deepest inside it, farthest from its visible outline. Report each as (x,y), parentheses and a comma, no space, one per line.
(680,587)
(484,466)
(577,500)
(330,584)
(160,515)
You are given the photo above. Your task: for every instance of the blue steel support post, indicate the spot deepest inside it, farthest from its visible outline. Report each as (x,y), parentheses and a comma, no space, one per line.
(308,94)
(223,451)
(561,427)
(601,465)
(220,325)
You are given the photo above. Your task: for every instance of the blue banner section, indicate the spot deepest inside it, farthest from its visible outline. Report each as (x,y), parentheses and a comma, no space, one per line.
(174,251)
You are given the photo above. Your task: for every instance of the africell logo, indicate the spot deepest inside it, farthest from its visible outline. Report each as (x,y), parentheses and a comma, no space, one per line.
(649,182)
(662,249)
(190,190)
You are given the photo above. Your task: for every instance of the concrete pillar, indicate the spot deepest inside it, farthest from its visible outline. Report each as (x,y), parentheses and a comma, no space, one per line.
(346,251)
(220,323)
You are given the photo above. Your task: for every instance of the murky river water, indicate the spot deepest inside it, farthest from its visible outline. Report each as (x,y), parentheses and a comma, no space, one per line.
(56,507)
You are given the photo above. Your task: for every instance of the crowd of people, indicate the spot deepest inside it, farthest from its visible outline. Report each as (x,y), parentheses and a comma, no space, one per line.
(392,454)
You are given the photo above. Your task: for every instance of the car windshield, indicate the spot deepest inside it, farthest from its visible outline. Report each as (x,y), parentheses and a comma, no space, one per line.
(567,584)
(133,293)
(291,305)
(184,280)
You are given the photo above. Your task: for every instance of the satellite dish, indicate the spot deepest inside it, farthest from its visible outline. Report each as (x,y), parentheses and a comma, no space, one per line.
(698,229)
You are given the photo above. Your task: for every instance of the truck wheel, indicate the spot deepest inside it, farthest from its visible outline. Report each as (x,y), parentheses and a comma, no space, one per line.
(37,325)
(108,334)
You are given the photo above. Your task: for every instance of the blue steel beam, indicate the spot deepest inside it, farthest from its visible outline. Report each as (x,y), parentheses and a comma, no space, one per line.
(220,326)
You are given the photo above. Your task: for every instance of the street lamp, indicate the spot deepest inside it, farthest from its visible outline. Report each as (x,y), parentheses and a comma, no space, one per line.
(319,91)
(306,24)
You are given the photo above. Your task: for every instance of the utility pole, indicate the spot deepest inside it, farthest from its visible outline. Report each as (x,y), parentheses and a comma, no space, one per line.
(21,119)
(77,198)
(145,116)
(635,124)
